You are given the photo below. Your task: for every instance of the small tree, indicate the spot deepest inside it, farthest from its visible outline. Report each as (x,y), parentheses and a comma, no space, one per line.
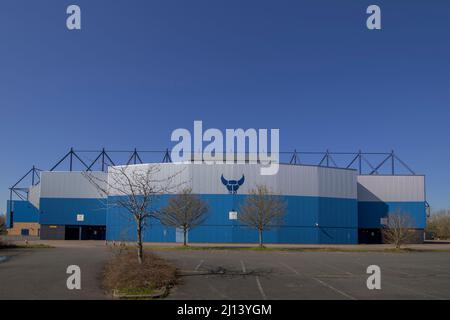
(398,231)
(135,189)
(184,211)
(439,224)
(262,210)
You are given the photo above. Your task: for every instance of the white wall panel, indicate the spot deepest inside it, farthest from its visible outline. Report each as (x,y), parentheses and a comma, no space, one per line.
(65,184)
(337,183)
(391,188)
(34,194)
(291,180)
(180,177)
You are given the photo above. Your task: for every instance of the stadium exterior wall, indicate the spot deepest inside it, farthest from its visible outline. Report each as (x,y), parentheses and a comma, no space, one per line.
(324,205)
(308,220)
(23,211)
(321,204)
(380,195)
(64,195)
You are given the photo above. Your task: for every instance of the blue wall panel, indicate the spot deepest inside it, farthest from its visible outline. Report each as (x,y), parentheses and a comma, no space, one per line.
(338,235)
(370,212)
(337,220)
(23,211)
(64,211)
(120,225)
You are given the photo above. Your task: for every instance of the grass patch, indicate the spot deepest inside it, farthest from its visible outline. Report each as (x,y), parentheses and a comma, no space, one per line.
(136,291)
(125,276)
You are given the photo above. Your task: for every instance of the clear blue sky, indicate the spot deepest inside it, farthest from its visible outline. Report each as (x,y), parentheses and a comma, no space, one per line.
(139,69)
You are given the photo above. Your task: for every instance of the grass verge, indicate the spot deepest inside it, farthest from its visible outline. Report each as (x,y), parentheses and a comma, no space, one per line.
(126,278)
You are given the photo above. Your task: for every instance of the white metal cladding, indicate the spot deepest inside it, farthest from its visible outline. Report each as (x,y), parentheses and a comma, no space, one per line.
(292,180)
(74,184)
(391,188)
(180,177)
(337,183)
(34,194)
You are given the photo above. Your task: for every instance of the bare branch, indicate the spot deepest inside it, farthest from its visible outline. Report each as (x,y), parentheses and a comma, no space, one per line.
(184,211)
(399,229)
(262,210)
(136,189)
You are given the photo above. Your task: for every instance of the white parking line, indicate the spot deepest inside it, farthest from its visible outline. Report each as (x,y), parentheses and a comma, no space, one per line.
(199,265)
(321,282)
(260,288)
(334,289)
(243,267)
(290,268)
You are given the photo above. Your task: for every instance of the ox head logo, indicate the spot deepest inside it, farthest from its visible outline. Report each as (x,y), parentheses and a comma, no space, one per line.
(232,185)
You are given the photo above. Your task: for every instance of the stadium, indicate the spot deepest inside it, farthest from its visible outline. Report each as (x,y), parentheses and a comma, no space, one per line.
(326,203)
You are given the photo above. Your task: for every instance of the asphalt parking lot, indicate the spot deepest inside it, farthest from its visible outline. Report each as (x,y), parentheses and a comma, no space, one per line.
(41,273)
(239,274)
(234,273)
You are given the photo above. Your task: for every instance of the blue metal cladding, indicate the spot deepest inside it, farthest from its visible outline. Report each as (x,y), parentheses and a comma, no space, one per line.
(63,211)
(371,212)
(23,211)
(308,220)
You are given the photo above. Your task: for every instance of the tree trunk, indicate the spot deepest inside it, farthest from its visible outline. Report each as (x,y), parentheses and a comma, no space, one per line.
(184,234)
(260,238)
(139,242)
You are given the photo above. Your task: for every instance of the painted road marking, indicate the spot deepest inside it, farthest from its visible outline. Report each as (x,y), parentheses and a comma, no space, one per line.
(321,282)
(260,288)
(333,267)
(243,267)
(334,289)
(199,265)
(290,268)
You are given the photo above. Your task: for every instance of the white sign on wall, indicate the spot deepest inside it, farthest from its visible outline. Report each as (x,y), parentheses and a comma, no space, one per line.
(80,217)
(233,215)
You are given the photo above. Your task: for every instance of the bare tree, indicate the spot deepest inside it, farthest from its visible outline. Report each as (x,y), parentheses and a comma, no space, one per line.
(439,224)
(184,211)
(398,229)
(135,189)
(262,210)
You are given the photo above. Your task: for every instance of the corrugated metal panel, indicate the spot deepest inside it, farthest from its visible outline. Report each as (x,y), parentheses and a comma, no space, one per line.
(207,178)
(64,211)
(34,194)
(180,177)
(335,183)
(391,188)
(371,213)
(337,219)
(71,185)
(23,211)
(290,180)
